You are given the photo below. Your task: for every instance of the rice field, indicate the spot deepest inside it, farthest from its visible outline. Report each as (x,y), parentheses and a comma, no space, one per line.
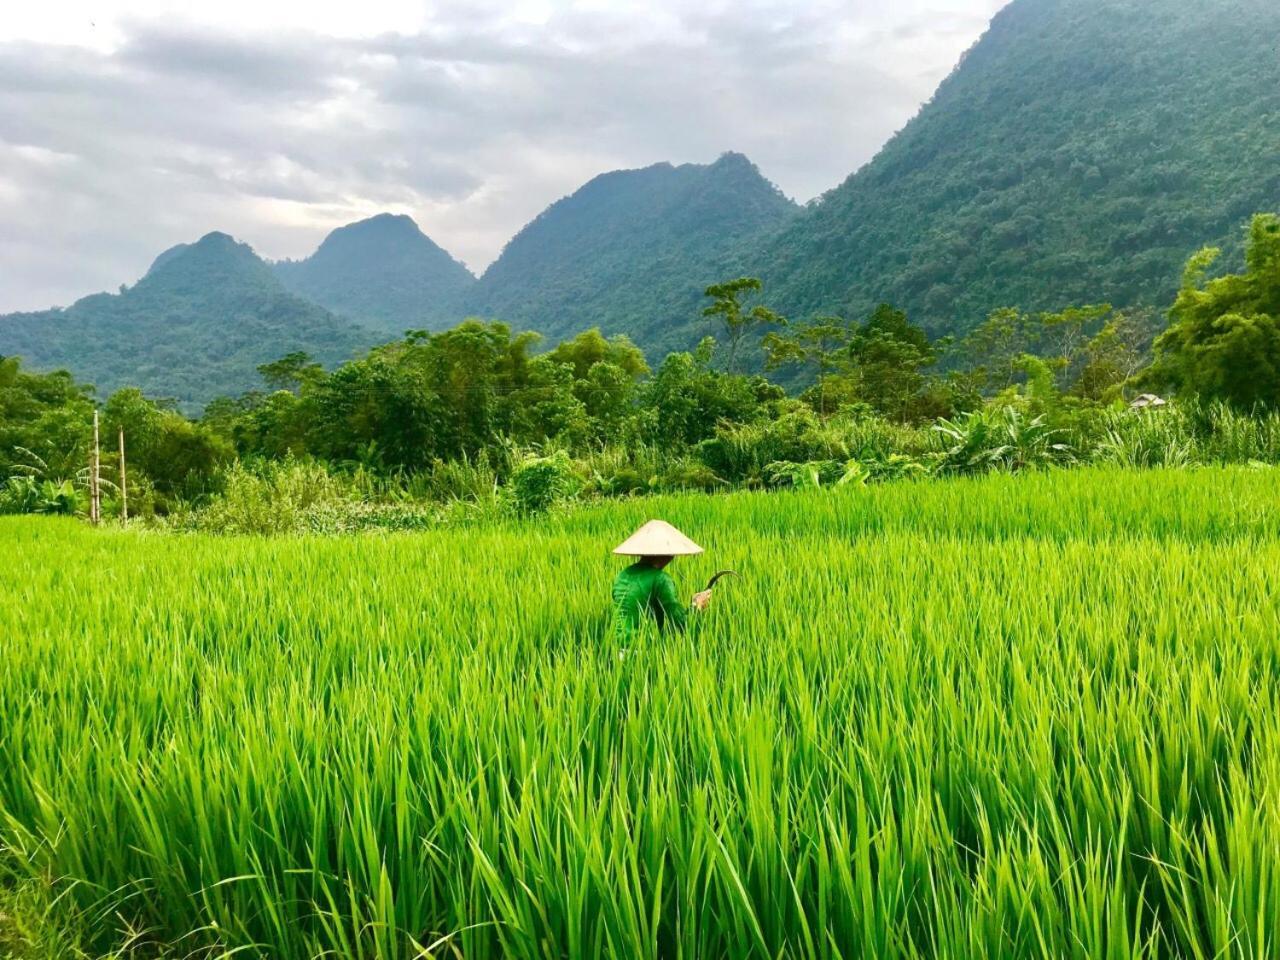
(1004,717)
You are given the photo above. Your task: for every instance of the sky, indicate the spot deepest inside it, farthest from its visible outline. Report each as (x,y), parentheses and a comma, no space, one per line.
(127,126)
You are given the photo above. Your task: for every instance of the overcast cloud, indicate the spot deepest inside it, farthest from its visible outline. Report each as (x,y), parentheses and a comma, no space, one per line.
(127,127)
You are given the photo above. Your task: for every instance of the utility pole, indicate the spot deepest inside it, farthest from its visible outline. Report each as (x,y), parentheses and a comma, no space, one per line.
(124,492)
(95,504)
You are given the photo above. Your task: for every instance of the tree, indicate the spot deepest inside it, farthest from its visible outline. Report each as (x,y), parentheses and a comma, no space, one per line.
(1223,340)
(379,408)
(1114,356)
(996,349)
(993,349)
(889,355)
(291,371)
(179,456)
(737,319)
(48,412)
(590,347)
(687,398)
(605,374)
(820,343)
(546,406)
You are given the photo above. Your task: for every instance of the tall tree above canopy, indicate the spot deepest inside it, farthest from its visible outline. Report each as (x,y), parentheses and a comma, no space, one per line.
(605,374)
(590,347)
(1223,341)
(890,355)
(727,305)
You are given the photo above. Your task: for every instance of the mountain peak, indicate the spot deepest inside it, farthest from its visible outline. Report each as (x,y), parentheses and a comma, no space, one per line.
(213,245)
(387,220)
(382,271)
(197,325)
(632,250)
(215,258)
(383,228)
(731,159)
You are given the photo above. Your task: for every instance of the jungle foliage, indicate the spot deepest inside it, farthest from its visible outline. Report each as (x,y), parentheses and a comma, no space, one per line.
(1078,153)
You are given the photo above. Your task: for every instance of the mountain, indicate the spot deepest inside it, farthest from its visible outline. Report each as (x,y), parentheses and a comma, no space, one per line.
(382,272)
(632,251)
(196,326)
(1079,153)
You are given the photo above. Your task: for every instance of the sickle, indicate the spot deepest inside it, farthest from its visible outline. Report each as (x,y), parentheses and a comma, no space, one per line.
(723,573)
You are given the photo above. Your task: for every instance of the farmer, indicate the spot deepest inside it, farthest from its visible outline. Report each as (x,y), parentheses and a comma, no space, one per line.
(644,588)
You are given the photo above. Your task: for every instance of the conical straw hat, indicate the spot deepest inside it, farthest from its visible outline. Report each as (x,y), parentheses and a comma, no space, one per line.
(657,539)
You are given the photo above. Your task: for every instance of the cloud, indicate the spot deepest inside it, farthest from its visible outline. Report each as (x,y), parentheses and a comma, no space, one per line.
(472,123)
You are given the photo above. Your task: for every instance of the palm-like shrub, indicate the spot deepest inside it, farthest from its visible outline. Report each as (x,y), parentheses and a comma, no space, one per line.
(1002,439)
(35,487)
(28,494)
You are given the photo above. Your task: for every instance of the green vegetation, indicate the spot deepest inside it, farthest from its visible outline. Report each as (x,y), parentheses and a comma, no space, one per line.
(972,717)
(196,326)
(1078,153)
(631,251)
(1224,338)
(382,273)
(945,711)
(1000,717)
(471,422)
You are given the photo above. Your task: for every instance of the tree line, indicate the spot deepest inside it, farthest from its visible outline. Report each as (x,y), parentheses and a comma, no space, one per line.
(462,395)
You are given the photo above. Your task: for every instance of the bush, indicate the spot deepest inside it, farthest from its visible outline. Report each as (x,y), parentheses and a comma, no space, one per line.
(688,474)
(895,466)
(621,469)
(622,482)
(1148,438)
(998,439)
(467,478)
(742,452)
(539,483)
(814,473)
(267,498)
(24,494)
(874,439)
(355,516)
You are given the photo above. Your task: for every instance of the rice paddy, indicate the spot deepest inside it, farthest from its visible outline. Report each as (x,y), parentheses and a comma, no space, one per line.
(1004,717)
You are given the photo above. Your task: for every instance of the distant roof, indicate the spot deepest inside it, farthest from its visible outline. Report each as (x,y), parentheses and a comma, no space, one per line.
(1142,401)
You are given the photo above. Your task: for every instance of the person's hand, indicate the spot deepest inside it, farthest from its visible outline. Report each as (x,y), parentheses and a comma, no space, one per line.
(700,600)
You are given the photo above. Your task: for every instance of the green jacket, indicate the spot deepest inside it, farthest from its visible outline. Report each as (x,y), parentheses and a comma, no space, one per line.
(641,589)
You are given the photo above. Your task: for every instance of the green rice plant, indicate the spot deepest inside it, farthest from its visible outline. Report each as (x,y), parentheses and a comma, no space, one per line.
(1022,716)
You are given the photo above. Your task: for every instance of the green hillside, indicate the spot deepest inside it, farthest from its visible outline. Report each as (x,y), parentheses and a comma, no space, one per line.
(196,326)
(632,251)
(1079,153)
(382,272)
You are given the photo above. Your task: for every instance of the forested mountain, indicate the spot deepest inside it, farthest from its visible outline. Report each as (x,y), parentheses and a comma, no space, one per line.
(1079,153)
(384,273)
(632,251)
(197,325)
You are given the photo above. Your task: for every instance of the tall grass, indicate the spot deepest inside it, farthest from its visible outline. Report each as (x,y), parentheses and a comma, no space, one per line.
(1025,716)
(1186,433)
